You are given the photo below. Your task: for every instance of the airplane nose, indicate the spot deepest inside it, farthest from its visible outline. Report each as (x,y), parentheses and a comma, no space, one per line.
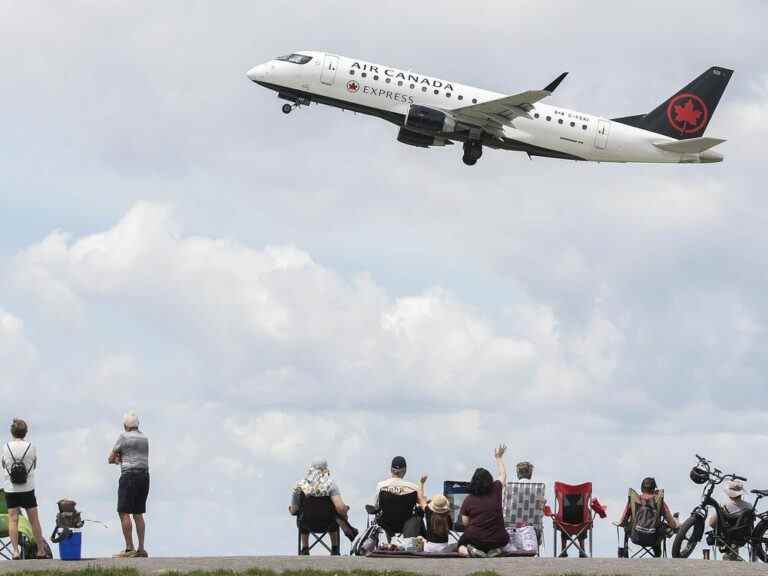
(257,72)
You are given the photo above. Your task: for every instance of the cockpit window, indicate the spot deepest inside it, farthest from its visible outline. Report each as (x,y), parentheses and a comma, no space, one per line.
(295,58)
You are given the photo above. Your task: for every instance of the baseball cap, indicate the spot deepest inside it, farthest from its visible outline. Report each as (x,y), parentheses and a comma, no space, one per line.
(398,463)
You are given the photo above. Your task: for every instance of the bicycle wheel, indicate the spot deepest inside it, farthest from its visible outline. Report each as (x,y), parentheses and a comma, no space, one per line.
(760,540)
(688,537)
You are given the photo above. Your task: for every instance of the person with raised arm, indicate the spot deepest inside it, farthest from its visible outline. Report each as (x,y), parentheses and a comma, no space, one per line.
(482,512)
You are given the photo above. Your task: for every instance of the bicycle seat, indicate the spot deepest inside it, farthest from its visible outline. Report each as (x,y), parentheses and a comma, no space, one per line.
(763,493)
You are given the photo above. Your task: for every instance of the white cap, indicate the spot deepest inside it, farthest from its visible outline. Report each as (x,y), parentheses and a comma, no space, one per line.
(131,420)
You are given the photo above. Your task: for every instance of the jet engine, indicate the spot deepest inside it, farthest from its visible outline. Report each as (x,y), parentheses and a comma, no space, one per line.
(426,119)
(418,139)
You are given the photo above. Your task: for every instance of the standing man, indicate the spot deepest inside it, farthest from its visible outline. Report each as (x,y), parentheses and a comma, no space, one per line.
(131,452)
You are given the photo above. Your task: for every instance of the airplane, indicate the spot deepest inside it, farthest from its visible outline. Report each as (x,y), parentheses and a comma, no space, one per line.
(434,112)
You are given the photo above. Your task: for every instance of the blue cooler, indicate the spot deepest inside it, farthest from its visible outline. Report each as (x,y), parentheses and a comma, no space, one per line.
(71,547)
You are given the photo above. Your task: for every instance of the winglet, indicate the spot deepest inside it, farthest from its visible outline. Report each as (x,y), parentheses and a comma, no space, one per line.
(555,83)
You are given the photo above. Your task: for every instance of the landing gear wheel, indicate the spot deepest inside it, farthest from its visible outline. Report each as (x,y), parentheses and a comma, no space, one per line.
(688,536)
(472,152)
(287,108)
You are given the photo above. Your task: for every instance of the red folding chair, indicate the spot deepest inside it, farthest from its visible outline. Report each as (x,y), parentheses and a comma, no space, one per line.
(574,515)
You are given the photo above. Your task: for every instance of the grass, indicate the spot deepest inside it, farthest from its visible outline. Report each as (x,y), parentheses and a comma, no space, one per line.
(251,572)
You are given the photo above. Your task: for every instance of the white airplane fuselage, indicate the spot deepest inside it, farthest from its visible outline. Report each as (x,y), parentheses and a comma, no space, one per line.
(389,93)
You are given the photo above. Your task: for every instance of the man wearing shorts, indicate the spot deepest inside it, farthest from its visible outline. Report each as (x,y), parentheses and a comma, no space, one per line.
(131,451)
(18,452)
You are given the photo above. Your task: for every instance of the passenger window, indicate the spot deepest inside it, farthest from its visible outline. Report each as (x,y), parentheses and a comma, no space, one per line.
(447,94)
(413,86)
(423,88)
(573,124)
(363,74)
(389,80)
(560,121)
(399,82)
(583,126)
(437,91)
(549,118)
(375,77)
(474,100)
(536,115)
(461,97)
(351,72)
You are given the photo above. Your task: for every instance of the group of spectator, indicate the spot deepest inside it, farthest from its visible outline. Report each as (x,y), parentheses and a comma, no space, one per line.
(481,514)
(131,452)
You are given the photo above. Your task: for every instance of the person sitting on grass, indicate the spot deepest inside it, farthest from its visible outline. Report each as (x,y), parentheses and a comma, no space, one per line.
(318,482)
(437,513)
(482,513)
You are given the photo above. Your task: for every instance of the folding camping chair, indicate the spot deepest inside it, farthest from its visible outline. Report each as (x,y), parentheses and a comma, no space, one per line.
(574,516)
(656,549)
(26,537)
(393,511)
(456,491)
(317,516)
(524,506)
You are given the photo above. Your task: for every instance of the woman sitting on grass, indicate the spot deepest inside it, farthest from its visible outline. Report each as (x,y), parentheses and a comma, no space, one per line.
(482,513)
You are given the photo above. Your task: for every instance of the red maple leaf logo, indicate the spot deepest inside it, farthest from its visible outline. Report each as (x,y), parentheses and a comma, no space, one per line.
(353,86)
(687,113)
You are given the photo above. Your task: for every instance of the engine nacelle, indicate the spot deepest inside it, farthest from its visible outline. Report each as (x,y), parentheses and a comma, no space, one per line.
(424,118)
(418,139)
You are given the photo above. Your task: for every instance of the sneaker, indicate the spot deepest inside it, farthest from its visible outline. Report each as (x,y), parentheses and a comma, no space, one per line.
(141,554)
(583,554)
(495,552)
(476,552)
(563,554)
(125,554)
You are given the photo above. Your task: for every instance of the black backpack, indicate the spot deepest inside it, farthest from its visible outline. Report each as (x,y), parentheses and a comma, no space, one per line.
(18,472)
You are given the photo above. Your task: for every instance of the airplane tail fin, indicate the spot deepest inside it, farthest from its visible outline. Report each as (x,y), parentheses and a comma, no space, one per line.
(686,114)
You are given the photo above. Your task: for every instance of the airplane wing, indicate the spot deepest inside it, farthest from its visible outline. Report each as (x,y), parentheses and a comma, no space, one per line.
(504,109)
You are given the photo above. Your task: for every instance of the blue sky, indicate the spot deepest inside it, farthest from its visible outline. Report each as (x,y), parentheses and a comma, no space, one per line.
(265,289)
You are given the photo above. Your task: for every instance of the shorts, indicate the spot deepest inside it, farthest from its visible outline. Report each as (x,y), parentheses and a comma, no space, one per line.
(24,500)
(132,492)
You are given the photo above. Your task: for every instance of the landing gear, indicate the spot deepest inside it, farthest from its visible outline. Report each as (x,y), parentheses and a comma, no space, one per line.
(473,150)
(287,108)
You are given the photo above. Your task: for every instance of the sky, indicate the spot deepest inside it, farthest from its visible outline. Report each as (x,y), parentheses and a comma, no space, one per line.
(266,289)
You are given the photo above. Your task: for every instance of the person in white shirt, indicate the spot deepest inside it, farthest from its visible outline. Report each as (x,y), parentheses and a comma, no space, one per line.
(395,484)
(19,461)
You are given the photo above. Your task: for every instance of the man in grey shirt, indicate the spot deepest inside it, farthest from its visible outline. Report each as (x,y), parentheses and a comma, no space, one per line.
(131,452)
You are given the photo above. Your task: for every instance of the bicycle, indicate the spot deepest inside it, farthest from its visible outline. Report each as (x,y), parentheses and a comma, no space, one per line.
(731,532)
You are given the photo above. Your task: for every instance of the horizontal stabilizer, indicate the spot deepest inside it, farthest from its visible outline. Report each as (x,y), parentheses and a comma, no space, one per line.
(690,146)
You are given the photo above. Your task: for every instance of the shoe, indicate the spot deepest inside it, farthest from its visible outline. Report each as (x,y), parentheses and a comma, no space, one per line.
(351,533)
(125,554)
(304,552)
(563,554)
(141,554)
(583,554)
(495,553)
(476,552)
(335,551)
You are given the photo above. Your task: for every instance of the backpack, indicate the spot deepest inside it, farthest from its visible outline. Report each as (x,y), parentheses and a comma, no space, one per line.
(18,472)
(645,528)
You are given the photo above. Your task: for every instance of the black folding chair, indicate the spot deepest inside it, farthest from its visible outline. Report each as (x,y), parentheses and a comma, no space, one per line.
(317,516)
(456,491)
(393,512)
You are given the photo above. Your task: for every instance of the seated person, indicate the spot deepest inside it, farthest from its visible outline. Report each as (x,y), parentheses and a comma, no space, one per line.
(648,492)
(482,512)
(733,506)
(318,482)
(393,510)
(437,513)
